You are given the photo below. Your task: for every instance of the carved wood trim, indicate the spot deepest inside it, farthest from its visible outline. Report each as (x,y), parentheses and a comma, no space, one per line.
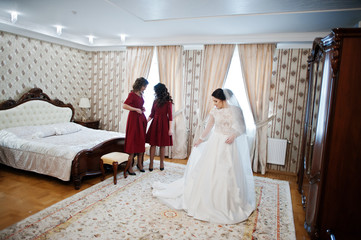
(335,56)
(315,178)
(86,162)
(35,94)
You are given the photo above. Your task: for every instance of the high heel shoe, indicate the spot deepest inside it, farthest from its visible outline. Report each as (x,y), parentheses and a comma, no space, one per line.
(151,168)
(161,163)
(142,170)
(131,173)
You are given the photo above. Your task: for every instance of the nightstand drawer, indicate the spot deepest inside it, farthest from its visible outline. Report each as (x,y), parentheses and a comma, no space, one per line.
(89,124)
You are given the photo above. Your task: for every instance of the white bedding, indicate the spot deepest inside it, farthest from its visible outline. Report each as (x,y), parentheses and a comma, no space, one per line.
(48,149)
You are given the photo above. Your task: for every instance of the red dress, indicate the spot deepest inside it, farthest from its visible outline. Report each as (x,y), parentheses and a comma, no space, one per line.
(136,126)
(157,134)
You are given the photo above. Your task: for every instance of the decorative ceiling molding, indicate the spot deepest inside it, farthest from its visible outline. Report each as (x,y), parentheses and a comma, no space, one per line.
(175,22)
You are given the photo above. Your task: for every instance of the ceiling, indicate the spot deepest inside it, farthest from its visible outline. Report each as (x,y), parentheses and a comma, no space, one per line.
(170,22)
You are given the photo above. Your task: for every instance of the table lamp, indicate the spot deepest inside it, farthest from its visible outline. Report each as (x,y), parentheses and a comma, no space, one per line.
(84,103)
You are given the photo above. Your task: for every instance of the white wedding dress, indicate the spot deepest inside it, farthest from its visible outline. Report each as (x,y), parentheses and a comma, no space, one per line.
(218,184)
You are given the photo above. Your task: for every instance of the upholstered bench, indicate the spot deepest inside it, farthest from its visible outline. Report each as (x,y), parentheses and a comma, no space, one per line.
(114,159)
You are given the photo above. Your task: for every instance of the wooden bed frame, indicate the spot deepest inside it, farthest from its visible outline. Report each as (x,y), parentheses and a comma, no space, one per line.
(87,161)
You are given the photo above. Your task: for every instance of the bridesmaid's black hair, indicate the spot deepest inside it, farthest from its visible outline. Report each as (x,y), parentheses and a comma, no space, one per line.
(161,94)
(139,83)
(219,94)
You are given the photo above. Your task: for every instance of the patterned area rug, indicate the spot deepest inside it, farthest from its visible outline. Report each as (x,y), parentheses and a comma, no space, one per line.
(129,211)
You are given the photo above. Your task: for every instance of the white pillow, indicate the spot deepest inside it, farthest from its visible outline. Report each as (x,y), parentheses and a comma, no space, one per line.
(66,128)
(46,132)
(40,131)
(43,131)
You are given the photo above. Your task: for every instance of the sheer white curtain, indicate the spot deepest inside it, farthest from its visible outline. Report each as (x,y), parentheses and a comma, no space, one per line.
(171,74)
(138,60)
(217,59)
(236,83)
(256,60)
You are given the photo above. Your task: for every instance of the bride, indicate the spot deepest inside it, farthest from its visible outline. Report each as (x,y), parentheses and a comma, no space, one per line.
(218,184)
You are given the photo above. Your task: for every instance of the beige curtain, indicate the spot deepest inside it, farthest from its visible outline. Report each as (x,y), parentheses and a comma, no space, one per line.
(171,74)
(138,62)
(256,61)
(217,59)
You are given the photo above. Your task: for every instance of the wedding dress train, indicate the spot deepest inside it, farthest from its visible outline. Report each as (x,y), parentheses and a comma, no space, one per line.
(218,184)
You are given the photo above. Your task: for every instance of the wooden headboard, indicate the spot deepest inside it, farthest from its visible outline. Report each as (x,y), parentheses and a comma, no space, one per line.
(34,108)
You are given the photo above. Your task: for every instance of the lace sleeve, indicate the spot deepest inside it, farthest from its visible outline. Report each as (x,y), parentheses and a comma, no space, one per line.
(238,125)
(208,128)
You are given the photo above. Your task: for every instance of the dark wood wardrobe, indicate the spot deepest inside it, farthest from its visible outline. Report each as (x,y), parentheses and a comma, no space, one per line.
(329,176)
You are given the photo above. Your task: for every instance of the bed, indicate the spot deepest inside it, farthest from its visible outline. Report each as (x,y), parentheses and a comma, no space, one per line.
(37,134)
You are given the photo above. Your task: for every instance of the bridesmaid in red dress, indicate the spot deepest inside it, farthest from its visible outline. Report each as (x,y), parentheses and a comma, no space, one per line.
(160,131)
(136,126)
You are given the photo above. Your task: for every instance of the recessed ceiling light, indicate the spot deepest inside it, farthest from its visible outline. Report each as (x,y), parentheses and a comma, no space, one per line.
(122,38)
(59,30)
(14,17)
(91,39)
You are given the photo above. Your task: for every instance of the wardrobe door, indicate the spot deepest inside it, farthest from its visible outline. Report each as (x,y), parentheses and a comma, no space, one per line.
(332,152)
(340,208)
(320,115)
(315,72)
(315,100)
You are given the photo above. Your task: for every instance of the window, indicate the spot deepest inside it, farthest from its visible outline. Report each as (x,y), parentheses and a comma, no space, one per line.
(153,79)
(235,82)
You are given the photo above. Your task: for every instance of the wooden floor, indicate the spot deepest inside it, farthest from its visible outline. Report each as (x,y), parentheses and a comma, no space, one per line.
(24,193)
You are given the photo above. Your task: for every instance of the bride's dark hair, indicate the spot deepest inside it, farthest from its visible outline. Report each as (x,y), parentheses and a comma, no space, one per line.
(161,94)
(219,94)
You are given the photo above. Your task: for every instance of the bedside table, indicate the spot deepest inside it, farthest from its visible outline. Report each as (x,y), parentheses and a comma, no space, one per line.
(89,124)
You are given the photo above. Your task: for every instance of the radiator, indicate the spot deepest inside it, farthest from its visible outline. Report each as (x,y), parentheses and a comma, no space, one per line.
(276,151)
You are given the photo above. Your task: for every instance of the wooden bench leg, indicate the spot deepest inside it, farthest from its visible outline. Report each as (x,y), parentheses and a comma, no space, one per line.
(102,170)
(115,171)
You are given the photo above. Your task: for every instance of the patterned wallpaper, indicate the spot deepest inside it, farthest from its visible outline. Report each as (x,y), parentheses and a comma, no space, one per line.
(108,75)
(193,60)
(287,99)
(70,74)
(59,71)
(288,103)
